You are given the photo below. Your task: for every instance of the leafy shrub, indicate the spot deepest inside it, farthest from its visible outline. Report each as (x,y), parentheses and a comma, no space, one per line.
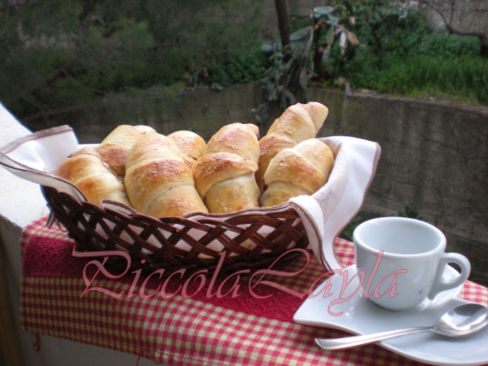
(296,60)
(59,53)
(401,55)
(448,45)
(462,76)
(237,67)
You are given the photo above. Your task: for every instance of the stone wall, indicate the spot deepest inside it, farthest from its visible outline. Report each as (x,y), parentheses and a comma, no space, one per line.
(433,155)
(434,159)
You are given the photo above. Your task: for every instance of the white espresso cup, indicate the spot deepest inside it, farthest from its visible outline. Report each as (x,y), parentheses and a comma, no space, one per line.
(401,262)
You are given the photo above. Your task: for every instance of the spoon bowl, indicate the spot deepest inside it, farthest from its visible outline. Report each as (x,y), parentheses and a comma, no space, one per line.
(462,320)
(459,321)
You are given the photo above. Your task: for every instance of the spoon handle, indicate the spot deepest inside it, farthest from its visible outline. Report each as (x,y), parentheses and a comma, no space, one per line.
(358,340)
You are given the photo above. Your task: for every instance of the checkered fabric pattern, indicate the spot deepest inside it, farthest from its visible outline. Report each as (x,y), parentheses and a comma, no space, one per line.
(182,330)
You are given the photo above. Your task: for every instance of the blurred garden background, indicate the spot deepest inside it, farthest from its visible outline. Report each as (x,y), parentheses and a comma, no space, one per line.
(65,55)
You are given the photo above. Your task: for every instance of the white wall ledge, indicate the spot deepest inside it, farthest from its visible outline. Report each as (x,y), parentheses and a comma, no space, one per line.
(22,202)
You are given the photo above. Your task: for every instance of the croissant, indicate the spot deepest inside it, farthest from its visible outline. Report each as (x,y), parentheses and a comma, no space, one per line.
(157,180)
(117,144)
(190,144)
(89,174)
(225,174)
(295,171)
(299,122)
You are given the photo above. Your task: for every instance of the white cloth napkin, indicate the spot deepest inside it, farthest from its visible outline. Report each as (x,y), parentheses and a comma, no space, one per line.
(324,214)
(331,208)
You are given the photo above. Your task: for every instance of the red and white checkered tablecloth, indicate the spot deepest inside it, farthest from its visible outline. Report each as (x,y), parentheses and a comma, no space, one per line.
(193,325)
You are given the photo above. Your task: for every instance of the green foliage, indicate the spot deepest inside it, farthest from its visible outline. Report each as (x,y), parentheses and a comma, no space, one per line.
(419,74)
(234,67)
(441,44)
(293,65)
(111,64)
(385,27)
(401,55)
(59,53)
(438,66)
(287,76)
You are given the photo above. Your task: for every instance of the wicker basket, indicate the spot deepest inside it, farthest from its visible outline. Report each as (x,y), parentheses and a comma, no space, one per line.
(248,238)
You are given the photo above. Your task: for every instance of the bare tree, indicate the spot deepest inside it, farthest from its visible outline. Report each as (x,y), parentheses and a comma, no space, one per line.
(457,19)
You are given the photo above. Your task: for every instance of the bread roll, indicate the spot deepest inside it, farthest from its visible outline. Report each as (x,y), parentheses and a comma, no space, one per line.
(157,180)
(117,144)
(191,145)
(225,175)
(299,122)
(300,170)
(90,175)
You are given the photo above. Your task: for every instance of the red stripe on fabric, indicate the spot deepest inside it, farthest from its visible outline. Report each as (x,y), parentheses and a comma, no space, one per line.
(180,331)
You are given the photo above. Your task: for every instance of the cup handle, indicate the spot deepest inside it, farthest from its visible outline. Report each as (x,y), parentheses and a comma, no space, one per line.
(440,284)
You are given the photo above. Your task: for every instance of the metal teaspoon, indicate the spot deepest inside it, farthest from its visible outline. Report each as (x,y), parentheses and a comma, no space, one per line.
(457,322)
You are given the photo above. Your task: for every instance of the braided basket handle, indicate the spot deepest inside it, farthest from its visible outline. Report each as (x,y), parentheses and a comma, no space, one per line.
(32,158)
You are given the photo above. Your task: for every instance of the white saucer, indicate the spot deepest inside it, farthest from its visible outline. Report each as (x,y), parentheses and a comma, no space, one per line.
(361,316)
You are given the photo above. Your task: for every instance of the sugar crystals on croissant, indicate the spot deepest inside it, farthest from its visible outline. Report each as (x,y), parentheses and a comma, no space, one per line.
(300,170)
(297,123)
(225,174)
(115,147)
(190,144)
(158,181)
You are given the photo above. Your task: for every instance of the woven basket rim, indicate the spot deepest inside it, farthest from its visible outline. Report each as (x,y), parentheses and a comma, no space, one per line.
(117,206)
(269,232)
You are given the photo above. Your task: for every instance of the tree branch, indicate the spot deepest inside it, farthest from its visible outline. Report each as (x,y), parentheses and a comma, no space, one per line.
(439,12)
(450,28)
(453,5)
(283,22)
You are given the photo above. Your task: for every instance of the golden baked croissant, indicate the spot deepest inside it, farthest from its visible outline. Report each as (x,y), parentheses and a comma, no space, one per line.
(191,145)
(116,145)
(224,176)
(157,180)
(295,171)
(91,176)
(299,122)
